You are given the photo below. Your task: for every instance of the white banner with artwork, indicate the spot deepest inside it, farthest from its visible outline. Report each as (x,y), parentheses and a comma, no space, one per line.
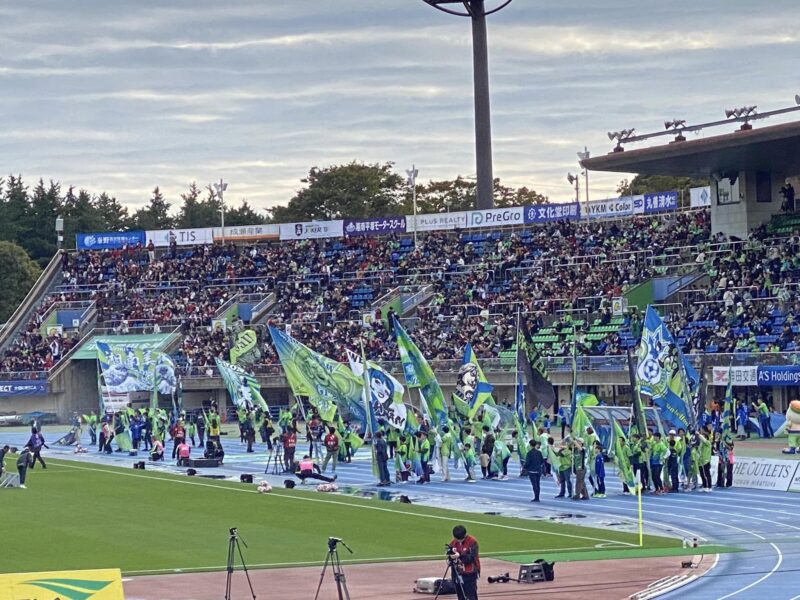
(312,230)
(745,376)
(182,237)
(700,197)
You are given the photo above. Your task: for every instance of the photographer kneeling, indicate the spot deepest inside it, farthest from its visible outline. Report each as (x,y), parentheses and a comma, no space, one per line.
(309,470)
(464,551)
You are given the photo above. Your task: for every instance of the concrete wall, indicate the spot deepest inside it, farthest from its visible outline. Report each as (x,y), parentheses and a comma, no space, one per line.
(740,218)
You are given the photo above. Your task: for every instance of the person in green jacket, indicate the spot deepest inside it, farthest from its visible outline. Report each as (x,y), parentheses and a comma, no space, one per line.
(501,455)
(424,446)
(564,457)
(402,465)
(658,449)
(704,459)
(469,462)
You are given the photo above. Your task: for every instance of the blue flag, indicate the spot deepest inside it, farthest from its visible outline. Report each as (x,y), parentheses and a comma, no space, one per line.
(660,372)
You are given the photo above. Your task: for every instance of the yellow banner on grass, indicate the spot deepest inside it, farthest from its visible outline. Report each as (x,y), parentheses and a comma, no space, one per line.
(105,584)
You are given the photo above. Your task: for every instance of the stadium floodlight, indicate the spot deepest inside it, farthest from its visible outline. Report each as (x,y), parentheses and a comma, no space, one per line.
(742,112)
(621,136)
(678,126)
(220,189)
(477,11)
(575,180)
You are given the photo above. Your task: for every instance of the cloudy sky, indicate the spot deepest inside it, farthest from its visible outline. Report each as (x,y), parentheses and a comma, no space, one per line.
(124,96)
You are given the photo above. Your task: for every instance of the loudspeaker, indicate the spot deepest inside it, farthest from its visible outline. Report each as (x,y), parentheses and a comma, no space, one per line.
(246,478)
(191,472)
(201,463)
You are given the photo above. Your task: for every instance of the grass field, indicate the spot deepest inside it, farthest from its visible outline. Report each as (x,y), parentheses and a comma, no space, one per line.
(77,515)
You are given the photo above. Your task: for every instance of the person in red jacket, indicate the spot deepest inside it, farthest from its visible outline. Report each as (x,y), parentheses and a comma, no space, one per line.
(466,554)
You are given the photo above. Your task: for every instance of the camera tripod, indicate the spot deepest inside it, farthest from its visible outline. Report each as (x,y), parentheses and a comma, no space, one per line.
(275,460)
(233,546)
(456,578)
(332,559)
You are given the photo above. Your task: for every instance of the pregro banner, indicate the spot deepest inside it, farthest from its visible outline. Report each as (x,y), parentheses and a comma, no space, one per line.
(312,230)
(496,217)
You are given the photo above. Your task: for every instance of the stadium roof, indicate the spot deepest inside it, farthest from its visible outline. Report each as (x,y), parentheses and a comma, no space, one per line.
(775,148)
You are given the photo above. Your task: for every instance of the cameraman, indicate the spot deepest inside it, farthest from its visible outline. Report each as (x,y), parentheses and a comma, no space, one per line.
(464,550)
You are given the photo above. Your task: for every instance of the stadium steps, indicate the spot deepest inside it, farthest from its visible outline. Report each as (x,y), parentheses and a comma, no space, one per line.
(49,279)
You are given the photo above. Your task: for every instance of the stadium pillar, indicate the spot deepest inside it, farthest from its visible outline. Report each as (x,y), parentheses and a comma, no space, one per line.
(483,116)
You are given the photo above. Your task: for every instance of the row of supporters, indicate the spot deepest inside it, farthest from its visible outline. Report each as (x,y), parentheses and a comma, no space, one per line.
(520,215)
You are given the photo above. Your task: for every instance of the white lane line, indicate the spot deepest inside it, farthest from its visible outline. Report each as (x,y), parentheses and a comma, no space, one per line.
(351,560)
(177,480)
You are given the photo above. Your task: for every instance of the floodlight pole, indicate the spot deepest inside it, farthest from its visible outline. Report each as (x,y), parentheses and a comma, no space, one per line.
(412,182)
(476,10)
(220,189)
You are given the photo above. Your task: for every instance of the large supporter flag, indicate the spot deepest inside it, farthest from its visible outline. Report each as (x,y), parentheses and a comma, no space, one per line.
(472,388)
(134,369)
(538,389)
(329,385)
(245,345)
(660,372)
(385,392)
(419,374)
(244,389)
(728,410)
(621,457)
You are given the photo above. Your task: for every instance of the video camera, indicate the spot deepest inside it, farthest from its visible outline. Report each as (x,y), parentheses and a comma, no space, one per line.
(502,578)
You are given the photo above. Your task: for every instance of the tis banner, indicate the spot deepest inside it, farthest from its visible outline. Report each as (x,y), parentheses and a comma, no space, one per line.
(376,226)
(329,385)
(131,369)
(109,239)
(181,237)
(659,373)
(544,213)
(244,389)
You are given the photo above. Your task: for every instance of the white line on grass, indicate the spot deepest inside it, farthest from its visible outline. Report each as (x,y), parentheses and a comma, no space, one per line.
(355,560)
(174,479)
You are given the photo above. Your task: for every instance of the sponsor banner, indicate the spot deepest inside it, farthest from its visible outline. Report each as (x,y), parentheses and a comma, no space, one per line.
(746,376)
(638,204)
(700,197)
(496,217)
(607,209)
(761,473)
(438,222)
(105,584)
(246,233)
(182,237)
(794,485)
(376,226)
(544,213)
(109,239)
(783,375)
(660,202)
(312,230)
(33,387)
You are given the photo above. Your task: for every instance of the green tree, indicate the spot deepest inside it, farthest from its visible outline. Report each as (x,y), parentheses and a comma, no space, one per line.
(39,232)
(189,215)
(18,274)
(351,190)
(243,215)
(113,214)
(80,216)
(650,184)
(13,209)
(153,216)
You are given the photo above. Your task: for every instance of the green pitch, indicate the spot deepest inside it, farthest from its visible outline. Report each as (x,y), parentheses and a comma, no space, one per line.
(85,516)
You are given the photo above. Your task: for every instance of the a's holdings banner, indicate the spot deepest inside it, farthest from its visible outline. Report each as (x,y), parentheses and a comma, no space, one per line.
(103,584)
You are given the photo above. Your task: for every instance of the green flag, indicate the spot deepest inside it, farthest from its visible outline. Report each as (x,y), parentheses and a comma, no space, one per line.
(244,389)
(622,459)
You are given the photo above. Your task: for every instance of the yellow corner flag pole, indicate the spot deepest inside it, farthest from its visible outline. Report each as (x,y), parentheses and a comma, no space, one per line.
(639,502)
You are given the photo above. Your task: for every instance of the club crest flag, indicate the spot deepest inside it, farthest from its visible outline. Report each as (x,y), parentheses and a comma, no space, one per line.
(472,388)
(329,385)
(244,389)
(660,372)
(385,392)
(418,374)
(136,369)
(244,346)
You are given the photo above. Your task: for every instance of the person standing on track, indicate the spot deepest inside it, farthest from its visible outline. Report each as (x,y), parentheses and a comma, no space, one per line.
(331,442)
(704,459)
(534,466)
(36,442)
(24,460)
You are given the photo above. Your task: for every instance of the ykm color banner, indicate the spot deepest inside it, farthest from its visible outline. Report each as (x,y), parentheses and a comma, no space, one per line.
(103,584)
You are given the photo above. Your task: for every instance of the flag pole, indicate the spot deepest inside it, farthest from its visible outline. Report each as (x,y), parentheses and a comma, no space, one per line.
(639,502)
(516,360)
